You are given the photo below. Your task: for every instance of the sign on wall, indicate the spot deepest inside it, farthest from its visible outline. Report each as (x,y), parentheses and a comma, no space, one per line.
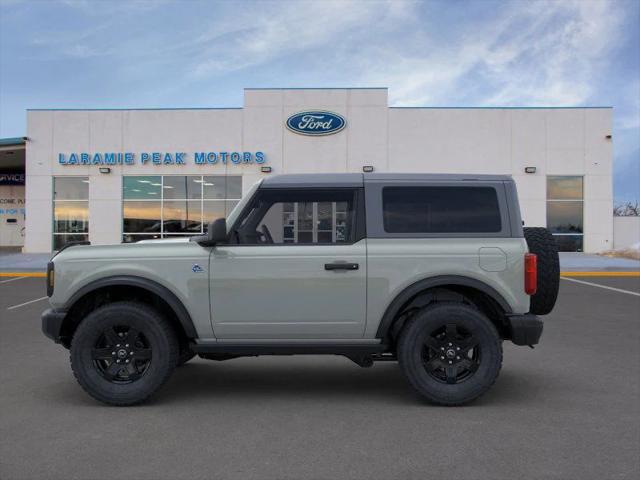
(11,178)
(318,122)
(161,158)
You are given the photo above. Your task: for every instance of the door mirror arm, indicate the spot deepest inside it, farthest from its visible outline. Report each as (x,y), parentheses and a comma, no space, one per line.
(216,234)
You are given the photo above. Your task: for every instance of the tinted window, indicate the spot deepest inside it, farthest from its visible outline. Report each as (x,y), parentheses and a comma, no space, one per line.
(441,210)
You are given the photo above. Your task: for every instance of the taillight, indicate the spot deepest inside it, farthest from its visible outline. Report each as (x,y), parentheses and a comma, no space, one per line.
(530,273)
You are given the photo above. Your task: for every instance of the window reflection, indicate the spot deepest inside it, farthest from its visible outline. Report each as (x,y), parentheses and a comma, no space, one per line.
(71,188)
(182,216)
(174,205)
(569,243)
(70,210)
(564,188)
(71,217)
(187,187)
(564,217)
(565,211)
(143,188)
(141,217)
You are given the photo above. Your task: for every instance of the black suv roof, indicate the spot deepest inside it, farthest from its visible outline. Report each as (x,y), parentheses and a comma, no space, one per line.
(357,179)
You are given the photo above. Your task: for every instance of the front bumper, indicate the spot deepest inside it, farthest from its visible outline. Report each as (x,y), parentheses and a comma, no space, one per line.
(52,324)
(525,329)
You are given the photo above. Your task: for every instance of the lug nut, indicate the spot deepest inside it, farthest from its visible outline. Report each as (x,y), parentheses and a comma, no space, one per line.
(442,348)
(113,353)
(127,345)
(118,345)
(127,360)
(457,358)
(117,361)
(457,348)
(441,358)
(450,362)
(450,344)
(130,353)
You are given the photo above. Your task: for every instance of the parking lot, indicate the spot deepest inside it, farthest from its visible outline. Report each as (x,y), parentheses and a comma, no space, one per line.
(569,409)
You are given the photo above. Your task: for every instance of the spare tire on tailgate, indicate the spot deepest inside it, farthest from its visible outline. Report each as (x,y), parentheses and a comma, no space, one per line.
(542,243)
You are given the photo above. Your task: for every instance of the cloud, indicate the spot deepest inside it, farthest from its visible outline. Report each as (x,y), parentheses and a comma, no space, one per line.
(277,30)
(537,53)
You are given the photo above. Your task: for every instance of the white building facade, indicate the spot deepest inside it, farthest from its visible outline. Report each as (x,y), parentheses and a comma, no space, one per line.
(109,176)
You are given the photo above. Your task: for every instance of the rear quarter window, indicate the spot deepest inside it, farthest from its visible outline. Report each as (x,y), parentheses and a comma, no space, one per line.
(441,209)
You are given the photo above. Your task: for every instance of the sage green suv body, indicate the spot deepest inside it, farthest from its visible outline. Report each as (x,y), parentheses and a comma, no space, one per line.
(337,264)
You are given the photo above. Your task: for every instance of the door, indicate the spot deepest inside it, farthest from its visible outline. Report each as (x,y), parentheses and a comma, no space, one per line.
(295,268)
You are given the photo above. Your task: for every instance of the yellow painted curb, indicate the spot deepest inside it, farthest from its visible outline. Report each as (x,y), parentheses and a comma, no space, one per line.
(23,274)
(600,274)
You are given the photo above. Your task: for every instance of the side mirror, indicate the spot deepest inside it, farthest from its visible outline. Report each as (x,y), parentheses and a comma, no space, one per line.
(216,233)
(218,230)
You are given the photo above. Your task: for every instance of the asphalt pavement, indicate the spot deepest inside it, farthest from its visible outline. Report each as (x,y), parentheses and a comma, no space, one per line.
(569,409)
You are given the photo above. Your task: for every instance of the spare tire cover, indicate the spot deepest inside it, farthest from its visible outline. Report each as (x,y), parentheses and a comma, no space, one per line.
(542,243)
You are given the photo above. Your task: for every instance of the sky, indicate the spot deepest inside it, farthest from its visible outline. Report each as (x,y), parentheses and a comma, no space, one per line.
(112,54)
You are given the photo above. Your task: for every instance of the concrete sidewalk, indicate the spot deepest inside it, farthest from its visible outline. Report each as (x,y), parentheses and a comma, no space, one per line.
(12,261)
(587,262)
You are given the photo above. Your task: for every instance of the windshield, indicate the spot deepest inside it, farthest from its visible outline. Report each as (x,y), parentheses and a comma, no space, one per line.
(233,215)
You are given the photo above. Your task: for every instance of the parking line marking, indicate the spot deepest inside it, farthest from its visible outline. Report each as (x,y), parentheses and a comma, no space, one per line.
(12,280)
(23,274)
(600,274)
(26,303)
(602,286)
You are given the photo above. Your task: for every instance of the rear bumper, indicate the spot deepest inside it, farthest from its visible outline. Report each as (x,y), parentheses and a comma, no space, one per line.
(525,329)
(52,324)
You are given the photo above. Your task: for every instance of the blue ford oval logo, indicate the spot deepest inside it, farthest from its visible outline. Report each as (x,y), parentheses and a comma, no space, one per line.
(316,123)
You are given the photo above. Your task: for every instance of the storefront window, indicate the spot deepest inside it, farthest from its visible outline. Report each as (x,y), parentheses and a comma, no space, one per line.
(565,211)
(70,210)
(168,206)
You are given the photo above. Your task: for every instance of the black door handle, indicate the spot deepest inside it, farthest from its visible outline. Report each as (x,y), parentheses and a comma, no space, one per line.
(341,266)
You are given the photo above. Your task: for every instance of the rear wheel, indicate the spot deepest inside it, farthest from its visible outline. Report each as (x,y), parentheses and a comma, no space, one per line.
(451,353)
(123,352)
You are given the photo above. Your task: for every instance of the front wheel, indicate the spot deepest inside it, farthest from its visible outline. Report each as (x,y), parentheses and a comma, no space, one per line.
(123,352)
(451,353)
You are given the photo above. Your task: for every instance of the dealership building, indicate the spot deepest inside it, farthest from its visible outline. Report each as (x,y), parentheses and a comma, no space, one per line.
(122,175)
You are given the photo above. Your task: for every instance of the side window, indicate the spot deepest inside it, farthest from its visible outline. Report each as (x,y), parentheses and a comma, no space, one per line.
(443,209)
(299,217)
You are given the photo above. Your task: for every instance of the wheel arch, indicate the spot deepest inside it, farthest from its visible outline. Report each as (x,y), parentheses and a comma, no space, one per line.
(460,287)
(121,287)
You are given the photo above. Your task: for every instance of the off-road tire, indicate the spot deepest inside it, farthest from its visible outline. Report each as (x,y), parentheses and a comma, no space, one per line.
(542,243)
(411,346)
(155,330)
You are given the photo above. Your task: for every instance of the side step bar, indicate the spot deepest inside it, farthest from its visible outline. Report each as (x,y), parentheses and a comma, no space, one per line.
(252,349)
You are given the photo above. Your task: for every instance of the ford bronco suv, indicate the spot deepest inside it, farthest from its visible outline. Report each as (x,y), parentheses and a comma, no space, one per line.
(431,271)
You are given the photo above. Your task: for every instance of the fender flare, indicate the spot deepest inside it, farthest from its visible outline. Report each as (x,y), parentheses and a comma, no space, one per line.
(414,289)
(149,285)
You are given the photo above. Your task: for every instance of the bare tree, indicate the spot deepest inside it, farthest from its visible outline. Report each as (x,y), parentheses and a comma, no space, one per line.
(628,209)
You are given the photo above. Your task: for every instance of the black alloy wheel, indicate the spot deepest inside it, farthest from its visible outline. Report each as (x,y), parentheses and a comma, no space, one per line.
(451,355)
(122,354)
(450,352)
